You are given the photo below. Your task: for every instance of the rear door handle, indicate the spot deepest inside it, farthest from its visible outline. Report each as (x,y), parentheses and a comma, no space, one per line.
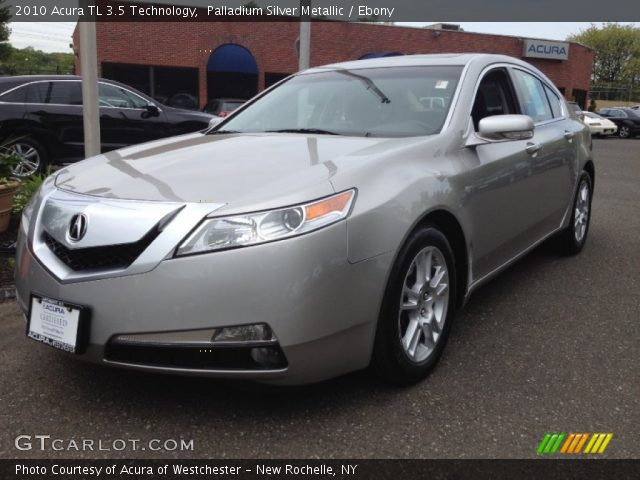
(568,134)
(533,148)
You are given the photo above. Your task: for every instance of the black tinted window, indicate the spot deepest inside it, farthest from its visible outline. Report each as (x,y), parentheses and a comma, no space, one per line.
(15,96)
(59,93)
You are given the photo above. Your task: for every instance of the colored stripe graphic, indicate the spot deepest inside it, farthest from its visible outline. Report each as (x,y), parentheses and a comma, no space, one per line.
(598,442)
(573,443)
(567,443)
(543,443)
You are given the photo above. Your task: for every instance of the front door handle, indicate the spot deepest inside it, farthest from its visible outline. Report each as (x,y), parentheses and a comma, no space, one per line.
(533,148)
(568,134)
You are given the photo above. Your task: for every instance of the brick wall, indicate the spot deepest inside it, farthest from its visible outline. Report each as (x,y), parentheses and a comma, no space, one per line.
(272,44)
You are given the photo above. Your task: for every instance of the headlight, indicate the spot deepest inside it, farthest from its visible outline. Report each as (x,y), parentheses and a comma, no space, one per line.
(254,228)
(27,211)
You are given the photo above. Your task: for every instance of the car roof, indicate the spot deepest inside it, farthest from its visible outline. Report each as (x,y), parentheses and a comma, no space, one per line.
(21,79)
(227,100)
(439,59)
(16,81)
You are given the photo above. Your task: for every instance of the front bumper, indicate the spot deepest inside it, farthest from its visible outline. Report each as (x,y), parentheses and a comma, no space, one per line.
(603,130)
(322,309)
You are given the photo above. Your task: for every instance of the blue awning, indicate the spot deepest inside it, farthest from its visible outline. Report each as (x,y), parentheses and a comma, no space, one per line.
(380,55)
(232,58)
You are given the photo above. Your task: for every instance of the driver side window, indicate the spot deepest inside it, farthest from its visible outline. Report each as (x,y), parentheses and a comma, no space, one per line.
(494,97)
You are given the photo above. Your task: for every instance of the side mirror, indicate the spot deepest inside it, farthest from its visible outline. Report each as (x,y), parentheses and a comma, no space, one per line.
(506,127)
(152,110)
(215,121)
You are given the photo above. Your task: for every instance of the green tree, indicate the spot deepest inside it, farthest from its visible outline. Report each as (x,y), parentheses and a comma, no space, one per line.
(5,48)
(617,52)
(29,61)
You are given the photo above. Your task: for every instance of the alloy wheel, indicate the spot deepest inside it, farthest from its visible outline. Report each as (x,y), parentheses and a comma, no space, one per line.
(29,159)
(424,303)
(624,132)
(581,214)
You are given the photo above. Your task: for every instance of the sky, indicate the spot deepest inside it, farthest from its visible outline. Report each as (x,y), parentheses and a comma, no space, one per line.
(56,36)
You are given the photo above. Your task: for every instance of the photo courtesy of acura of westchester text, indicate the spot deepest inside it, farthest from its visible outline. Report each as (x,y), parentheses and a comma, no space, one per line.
(280,238)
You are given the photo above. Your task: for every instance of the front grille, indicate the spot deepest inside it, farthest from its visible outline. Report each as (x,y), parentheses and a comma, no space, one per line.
(197,357)
(109,257)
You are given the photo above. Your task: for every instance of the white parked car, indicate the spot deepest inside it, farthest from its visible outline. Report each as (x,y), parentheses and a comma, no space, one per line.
(598,125)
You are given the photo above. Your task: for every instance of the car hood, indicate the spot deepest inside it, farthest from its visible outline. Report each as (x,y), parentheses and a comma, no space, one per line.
(243,171)
(187,114)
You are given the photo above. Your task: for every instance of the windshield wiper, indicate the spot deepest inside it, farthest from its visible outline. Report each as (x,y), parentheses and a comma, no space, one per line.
(370,84)
(319,131)
(222,132)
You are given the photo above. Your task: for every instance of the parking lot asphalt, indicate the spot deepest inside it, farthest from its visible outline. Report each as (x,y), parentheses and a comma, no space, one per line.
(551,345)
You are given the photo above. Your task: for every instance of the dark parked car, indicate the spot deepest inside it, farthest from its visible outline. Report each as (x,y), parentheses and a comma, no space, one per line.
(41,116)
(627,120)
(183,100)
(222,107)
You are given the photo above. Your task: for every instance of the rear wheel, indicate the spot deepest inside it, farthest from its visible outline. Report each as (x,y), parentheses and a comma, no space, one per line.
(417,310)
(33,156)
(624,132)
(573,238)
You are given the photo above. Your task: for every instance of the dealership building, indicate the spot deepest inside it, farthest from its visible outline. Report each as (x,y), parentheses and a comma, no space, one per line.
(204,60)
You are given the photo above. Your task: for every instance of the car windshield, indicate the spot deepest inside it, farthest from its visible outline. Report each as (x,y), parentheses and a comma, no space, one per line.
(231,106)
(381,102)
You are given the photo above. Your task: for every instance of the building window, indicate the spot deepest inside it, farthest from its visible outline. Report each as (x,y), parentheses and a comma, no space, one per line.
(271,78)
(173,86)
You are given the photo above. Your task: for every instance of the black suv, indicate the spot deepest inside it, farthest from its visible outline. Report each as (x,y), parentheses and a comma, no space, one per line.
(627,120)
(41,118)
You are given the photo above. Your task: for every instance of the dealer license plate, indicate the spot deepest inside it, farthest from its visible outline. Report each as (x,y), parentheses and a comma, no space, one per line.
(55,323)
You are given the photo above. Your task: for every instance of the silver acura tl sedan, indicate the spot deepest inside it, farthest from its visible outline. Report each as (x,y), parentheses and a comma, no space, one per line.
(334,222)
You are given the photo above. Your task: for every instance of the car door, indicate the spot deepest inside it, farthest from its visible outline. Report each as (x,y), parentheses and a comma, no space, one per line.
(54,109)
(127,118)
(554,166)
(504,205)
(498,184)
(12,109)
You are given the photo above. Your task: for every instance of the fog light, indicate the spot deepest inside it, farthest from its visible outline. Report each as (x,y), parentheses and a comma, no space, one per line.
(268,357)
(245,333)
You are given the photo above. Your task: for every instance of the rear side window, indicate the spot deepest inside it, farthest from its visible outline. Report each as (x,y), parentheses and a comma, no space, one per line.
(533,99)
(118,97)
(15,96)
(554,101)
(58,93)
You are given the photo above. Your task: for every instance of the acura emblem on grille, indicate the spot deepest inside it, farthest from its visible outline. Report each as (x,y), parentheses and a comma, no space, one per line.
(77,227)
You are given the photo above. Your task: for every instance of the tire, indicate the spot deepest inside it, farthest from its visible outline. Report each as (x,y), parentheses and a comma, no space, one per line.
(624,132)
(573,238)
(425,308)
(34,154)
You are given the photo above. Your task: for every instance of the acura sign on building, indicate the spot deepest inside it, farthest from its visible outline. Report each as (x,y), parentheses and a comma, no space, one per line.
(546,49)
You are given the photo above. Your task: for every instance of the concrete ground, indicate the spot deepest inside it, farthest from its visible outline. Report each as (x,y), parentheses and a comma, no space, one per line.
(553,344)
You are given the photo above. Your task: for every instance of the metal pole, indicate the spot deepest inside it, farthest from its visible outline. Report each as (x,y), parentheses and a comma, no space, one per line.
(89,68)
(305,39)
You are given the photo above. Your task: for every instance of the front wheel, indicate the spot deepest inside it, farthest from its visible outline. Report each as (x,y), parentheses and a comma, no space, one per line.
(417,309)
